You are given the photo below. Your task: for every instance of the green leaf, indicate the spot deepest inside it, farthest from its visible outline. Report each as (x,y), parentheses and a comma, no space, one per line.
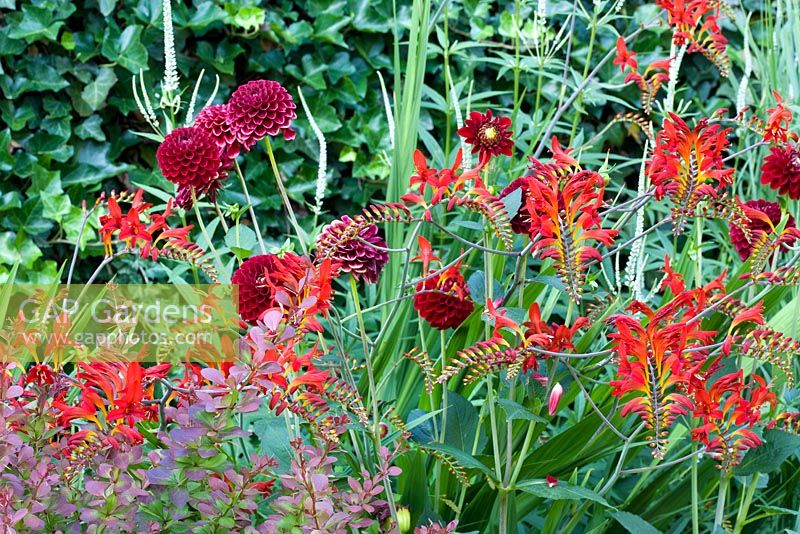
(633,523)
(242,241)
(514,410)
(778,446)
(96,92)
(18,249)
(107,7)
(561,491)
(91,128)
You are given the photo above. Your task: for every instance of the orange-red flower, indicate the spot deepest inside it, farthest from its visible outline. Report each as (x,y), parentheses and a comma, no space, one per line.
(764,217)
(625,58)
(564,204)
(776,127)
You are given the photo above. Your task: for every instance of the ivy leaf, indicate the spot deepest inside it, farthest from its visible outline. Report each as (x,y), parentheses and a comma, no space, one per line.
(16,249)
(91,129)
(96,92)
(107,7)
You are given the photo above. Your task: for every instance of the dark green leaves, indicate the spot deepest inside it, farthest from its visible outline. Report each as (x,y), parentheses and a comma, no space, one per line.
(778,446)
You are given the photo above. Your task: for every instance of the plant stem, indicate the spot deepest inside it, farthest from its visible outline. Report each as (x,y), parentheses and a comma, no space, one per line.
(250,206)
(222,272)
(741,517)
(695,496)
(365,342)
(724,483)
(292,219)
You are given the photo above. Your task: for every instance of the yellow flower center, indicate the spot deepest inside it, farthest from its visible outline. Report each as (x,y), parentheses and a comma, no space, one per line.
(490,133)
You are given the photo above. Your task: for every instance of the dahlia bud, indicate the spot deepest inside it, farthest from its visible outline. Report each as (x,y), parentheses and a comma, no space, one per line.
(555,397)
(261,108)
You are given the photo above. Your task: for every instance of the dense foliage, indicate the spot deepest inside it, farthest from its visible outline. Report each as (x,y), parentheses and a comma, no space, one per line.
(522,267)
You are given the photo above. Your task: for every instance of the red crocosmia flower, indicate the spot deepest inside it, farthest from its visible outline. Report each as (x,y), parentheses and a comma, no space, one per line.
(688,166)
(776,127)
(685,16)
(625,58)
(673,280)
(652,367)
(191,158)
(41,375)
(128,405)
(259,277)
(550,337)
(764,216)
(781,170)
(552,481)
(490,136)
(214,120)
(443,299)
(521,222)
(564,204)
(361,253)
(426,254)
(261,108)
(649,82)
(728,408)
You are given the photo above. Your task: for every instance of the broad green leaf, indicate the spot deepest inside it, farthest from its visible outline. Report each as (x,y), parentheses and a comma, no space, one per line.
(778,446)
(561,491)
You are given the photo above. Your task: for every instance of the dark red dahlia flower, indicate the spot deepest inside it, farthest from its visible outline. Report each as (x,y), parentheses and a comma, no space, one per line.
(758,227)
(260,108)
(190,158)
(351,251)
(214,120)
(781,170)
(443,300)
(258,278)
(521,222)
(488,135)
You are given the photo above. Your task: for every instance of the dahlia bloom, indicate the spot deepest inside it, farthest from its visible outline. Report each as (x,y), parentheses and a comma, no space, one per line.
(259,277)
(191,158)
(443,300)
(759,228)
(351,250)
(260,108)
(781,170)
(521,222)
(214,120)
(489,136)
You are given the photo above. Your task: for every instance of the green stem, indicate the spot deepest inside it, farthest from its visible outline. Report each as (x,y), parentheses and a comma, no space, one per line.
(741,517)
(724,483)
(695,496)
(222,272)
(250,206)
(365,342)
(292,219)
(221,218)
(592,34)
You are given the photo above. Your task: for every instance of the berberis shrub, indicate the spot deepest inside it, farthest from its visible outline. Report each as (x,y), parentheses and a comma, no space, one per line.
(574,310)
